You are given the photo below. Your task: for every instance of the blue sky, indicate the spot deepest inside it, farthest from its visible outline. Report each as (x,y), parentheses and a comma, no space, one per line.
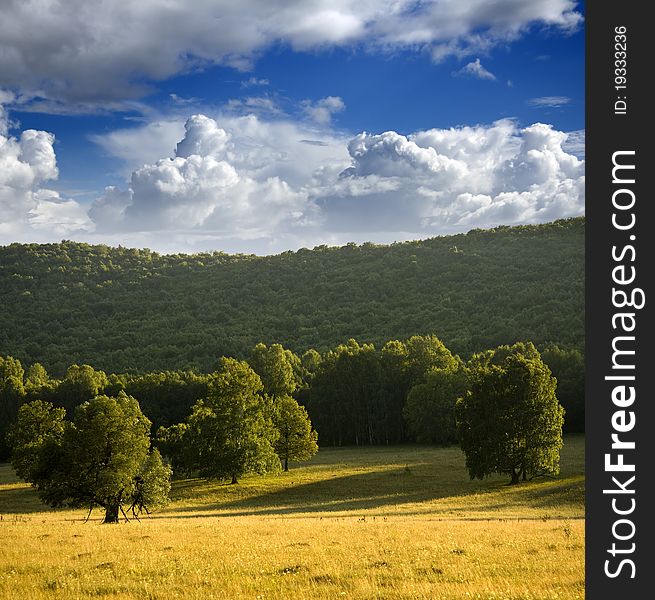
(301,123)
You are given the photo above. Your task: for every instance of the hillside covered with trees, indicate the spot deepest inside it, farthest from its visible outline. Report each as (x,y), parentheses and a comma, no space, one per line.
(128,310)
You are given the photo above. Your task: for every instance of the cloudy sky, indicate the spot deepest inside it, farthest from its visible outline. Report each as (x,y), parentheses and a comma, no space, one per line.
(267,125)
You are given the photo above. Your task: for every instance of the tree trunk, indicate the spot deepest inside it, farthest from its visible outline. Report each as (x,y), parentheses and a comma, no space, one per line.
(286,463)
(234,479)
(515,477)
(111,513)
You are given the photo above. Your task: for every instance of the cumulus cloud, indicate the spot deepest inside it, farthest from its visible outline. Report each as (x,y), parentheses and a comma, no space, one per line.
(247,179)
(27,207)
(101,52)
(475,69)
(241,178)
(140,145)
(241,183)
(322,110)
(440,181)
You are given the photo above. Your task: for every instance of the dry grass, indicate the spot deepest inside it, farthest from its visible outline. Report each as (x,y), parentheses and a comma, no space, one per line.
(353,523)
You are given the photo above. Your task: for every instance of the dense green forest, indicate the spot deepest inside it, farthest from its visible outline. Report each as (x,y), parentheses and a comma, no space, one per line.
(129,310)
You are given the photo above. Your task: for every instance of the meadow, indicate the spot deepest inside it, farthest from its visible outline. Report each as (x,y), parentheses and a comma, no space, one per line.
(353,523)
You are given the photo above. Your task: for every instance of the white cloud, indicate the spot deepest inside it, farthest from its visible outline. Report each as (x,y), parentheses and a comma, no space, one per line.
(549,101)
(242,178)
(575,143)
(452,180)
(245,179)
(85,53)
(27,208)
(181,100)
(140,145)
(259,105)
(322,110)
(475,69)
(241,183)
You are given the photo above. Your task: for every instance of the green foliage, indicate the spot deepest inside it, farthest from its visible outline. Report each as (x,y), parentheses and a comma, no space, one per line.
(395,386)
(357,394)
(425,353)
(36,376)
(107,443)
(125,310)
(297,441)
(510,420)
(430,407)
(275,367)
(567,366)
(101,458)
(345,394)
(152,485)
(166,397)
(311,361)
(231,432)
(38,423)
(175,446)
(12,394)
(81,383)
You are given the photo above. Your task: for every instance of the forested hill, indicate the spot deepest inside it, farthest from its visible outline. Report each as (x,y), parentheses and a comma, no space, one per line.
(122,309)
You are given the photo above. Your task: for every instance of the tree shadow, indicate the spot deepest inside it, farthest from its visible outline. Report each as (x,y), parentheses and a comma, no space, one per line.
(20,500)
(381,489)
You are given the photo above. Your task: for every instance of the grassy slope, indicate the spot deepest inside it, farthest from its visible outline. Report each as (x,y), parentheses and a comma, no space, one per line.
(365,523)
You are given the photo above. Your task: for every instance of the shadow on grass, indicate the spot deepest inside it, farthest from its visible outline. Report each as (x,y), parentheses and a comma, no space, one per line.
(20,500)
(377,490)
(375,480)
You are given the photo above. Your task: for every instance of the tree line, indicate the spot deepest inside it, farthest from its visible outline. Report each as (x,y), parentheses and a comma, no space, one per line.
(130,310)
(501,405)
(103,454)
(354,393)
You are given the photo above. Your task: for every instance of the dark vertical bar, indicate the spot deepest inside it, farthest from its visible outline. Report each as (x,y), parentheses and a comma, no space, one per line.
(618,120)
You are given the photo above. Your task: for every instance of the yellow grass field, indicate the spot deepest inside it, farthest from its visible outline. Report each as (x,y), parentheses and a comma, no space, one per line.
(380,523)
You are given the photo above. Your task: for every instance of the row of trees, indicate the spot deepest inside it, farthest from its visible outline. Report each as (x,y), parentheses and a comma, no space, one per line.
(354,394)
(239,428)
(501,405)
(104,457)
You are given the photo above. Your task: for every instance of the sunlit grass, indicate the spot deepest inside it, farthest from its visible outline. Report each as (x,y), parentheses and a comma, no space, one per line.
(353,523)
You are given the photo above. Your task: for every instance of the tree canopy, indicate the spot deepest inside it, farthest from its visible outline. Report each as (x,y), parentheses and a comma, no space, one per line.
(12,394)
(124,310)
(296,441)
(100,458)
(279,369)
(231,432)
(430,406)
(509,420)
